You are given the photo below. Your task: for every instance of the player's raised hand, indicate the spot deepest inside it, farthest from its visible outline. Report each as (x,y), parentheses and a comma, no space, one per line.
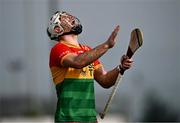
(111,40)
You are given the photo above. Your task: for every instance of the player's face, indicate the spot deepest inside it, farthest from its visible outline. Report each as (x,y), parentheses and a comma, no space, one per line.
(68,21)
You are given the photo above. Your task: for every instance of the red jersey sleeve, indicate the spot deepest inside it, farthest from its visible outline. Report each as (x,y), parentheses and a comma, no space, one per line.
(58,53)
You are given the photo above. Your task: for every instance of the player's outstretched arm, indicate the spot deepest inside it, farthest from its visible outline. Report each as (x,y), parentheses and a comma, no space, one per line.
(84,59)
(108,79)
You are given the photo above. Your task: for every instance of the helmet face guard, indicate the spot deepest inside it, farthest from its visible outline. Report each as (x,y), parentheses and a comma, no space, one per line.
(62,23)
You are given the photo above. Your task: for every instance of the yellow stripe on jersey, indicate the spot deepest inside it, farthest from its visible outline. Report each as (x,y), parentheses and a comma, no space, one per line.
(59,74)
(84,73)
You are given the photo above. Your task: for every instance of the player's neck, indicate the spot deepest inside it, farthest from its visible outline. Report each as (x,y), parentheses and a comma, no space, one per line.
(71,39)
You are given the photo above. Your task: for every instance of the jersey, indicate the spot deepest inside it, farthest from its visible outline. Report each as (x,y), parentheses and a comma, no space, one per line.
(74,87)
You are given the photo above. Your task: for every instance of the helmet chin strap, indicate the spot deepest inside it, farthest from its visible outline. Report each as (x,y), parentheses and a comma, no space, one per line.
(75,30)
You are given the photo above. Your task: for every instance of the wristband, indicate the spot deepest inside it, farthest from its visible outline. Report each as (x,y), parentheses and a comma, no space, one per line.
(120,69)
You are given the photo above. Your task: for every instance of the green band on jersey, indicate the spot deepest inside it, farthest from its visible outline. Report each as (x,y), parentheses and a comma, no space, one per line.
(76,101)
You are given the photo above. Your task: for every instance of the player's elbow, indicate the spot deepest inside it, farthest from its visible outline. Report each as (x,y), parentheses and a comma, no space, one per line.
(106,86)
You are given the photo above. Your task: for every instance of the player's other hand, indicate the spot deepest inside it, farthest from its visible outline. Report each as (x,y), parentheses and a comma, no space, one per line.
(126,62)
(111,40)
